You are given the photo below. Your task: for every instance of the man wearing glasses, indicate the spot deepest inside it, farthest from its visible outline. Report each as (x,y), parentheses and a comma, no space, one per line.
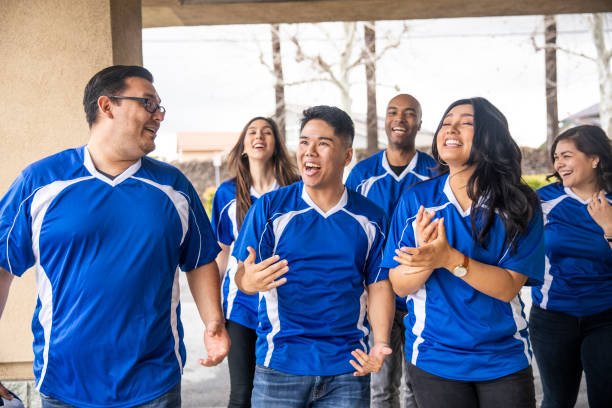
(107,230)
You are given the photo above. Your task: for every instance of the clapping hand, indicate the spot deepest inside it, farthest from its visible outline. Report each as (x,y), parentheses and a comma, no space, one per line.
(600,209)
(434,254)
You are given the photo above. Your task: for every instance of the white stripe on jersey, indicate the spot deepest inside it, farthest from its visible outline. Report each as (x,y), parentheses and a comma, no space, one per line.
(419,299)
(272,311)
(45,315)
(364,187)
(521,324)
(40,203)
(279,224)
(180,202)
(548,278)
(229,214)
(363,304)
(232,268)
(174,303)
(547,207)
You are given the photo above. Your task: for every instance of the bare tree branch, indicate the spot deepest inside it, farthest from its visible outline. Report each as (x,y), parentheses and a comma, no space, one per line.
(558,48)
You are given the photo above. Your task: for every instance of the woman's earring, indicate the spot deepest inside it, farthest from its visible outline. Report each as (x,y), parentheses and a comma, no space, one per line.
(244,155)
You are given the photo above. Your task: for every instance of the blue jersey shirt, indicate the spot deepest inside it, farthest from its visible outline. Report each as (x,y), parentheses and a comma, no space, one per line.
(237,306)
(373,178)
(107,253)
(453,330)
(578,274)
(310,325)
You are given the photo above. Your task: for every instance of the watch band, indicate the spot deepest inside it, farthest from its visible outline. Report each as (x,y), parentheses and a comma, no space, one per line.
(608,238)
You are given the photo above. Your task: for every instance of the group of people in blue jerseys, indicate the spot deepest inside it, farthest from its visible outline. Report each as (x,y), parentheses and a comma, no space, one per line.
(406,277)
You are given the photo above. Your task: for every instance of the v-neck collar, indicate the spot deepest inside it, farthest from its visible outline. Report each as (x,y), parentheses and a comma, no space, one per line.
(575,196)
(453,200)
(89,165)
(255,194)
(408,169)
(340,205)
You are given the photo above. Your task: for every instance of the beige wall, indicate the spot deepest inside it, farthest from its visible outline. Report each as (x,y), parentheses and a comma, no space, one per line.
(49,51)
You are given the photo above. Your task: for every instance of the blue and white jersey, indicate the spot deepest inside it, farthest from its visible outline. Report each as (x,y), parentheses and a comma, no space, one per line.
(107,253)
(453,330)
(310,325)
(578,273)
(237,306)
(373,178)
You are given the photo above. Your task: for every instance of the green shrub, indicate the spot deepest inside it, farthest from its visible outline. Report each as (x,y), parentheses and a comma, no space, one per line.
(536,181)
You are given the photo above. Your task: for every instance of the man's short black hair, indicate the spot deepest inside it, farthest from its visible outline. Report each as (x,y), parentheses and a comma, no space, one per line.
(109,81)
(338,119)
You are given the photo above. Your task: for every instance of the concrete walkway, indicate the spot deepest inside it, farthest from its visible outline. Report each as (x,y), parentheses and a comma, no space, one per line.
(209,387)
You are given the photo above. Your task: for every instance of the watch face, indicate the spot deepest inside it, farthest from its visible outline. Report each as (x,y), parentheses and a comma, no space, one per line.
(460,271)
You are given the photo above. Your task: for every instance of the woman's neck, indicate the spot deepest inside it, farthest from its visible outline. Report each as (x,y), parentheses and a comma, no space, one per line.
(586,190)
(262,175)
(458,179)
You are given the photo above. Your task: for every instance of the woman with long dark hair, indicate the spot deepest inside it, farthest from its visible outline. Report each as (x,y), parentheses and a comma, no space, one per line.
(571,316)
(461,247)
(260,163)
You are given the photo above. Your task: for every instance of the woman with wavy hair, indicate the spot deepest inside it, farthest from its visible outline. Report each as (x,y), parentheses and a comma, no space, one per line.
(260,163)
(571,316)
(461,247)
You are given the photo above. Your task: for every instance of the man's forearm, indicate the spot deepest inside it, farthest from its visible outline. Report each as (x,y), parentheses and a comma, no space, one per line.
(381,308)
(205,288)
(5,283)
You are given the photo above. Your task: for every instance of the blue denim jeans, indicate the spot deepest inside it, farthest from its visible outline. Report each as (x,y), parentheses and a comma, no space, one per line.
(275,389)
(171,399)
(566,345)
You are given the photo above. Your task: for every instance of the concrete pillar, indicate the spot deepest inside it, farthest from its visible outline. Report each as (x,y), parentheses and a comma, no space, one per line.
(49,51)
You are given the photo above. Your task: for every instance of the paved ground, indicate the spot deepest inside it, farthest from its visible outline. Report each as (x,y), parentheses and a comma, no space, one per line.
(209,387)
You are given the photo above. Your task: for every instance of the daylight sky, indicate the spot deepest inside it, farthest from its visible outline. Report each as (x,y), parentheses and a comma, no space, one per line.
(210,78)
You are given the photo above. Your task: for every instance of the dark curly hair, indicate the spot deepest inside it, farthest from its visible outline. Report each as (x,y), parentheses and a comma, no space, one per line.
(496,185)
(592,141)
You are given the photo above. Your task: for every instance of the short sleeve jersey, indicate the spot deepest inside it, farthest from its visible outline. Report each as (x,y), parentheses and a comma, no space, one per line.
(107,253)
(310,324)
(237,306)
(578,273)
(374,179)
(453,330)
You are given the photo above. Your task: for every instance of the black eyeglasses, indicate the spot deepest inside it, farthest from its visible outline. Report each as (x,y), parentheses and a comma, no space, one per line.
(149,104)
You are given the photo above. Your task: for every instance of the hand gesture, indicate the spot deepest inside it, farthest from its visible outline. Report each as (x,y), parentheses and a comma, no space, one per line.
(217,344)
(263,276)
(427,257)
(426,229)
(600,209)
(370,363)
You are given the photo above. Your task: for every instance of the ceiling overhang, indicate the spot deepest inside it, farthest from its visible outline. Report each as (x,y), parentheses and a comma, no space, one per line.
(164,13)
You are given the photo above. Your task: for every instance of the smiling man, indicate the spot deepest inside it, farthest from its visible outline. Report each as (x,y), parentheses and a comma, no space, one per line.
(312,251)
(107,230)
(382,178)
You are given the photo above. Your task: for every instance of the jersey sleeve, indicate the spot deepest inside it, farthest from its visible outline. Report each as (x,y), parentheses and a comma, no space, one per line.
(220,218)
(199,246)
(528,259)
(374,271)
(353,179)
(16,254)
(401,233)
(256,232)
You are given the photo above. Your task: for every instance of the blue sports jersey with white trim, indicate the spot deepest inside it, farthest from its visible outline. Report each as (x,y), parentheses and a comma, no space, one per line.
(237,306)
(310,325)
(107,329)
(578,274)
(373,178)
(453,330)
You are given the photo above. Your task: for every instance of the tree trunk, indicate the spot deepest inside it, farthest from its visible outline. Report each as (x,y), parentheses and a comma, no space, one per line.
(370,71)
(604,73)
(550,57)
(279,85)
